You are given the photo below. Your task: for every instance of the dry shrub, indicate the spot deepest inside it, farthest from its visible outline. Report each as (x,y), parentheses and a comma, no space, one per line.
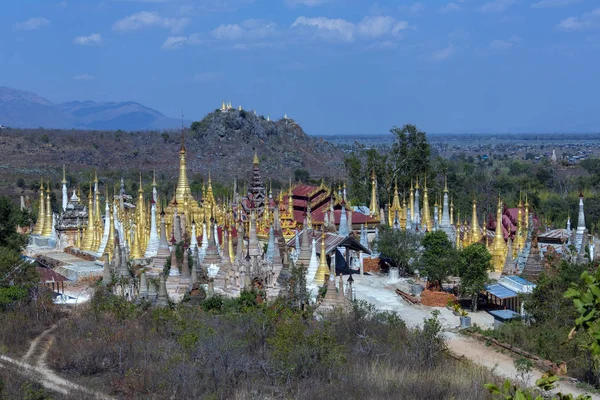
(24,322)
(263,351)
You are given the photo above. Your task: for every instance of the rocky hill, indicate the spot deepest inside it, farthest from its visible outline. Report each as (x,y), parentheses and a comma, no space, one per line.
(21,109)
(282,145)
(222,143)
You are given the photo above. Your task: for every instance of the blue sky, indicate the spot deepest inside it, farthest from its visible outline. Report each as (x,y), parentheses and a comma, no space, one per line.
(336,66)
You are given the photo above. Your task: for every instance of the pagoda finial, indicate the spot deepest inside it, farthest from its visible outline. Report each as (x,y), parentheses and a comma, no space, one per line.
(255,160)
(141,189)
(64,180)
(417,187)
(154,178)
(223,108)
(95,176)
(445,184)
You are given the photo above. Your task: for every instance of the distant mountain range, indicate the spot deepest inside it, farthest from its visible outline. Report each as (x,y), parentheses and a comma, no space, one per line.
(21,109)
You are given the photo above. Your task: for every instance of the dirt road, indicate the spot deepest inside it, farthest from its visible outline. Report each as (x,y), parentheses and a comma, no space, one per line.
(502,364)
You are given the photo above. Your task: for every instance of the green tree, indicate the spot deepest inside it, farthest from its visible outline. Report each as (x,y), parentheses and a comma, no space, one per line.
(409,156)
(301,175)
(439,258)
(358,190)
(10,217)
(402,246)
(473,266)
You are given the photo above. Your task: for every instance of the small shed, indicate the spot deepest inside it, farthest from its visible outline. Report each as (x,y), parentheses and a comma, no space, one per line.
(502,316)
(52,279)
(505,293)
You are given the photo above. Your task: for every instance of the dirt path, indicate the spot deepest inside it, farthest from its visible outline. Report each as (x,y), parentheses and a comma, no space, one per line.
(33,364)
(33,347)
(502,364)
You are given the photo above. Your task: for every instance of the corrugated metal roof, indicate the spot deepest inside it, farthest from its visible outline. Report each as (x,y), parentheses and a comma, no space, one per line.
(500,291)
(516,284)
(519,280)
(504,315)
(554,235)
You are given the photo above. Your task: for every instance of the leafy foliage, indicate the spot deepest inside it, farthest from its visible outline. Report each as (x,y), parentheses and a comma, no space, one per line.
(439,257)
(587,302)
(474,264)
(402,246)
(545,383)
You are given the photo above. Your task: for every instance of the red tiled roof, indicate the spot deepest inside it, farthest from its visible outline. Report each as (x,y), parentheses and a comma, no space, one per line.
(303,190)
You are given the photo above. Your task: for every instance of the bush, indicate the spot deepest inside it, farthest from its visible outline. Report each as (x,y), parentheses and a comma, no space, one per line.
(243,349)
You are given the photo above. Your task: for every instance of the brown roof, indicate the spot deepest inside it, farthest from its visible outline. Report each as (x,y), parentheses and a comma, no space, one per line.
(49,275)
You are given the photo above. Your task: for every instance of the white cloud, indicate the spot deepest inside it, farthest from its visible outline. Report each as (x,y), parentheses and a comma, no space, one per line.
(496,6)
(443,54)
(340,29)
(450,7)
(373,27)
(250,29)
(33,24)
(554,3)
(307,3)
(589,20)
(329,28)
(91,40)
(83,77)
(144,19)
(177,42)
(174,42)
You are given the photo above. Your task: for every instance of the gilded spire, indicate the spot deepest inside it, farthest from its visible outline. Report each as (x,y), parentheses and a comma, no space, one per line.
(88,236)
(426,218)
(255,160)
(47,229)
(445,184)
(475,232)
(374,206)
(499,247)
(64,179)
(322,270)
(154,178)
(39,225)
(183,185)
(182,149)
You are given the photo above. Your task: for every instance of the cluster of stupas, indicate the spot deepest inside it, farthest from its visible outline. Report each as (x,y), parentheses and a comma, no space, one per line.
(161,249)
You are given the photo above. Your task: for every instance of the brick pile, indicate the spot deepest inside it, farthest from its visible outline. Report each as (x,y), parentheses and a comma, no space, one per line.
(436,299)
(371,265)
